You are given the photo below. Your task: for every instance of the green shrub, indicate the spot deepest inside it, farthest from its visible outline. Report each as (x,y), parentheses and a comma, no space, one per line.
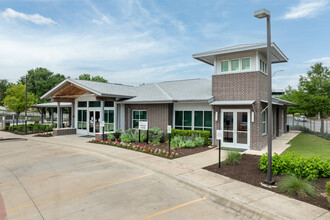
(177,142)
(233,158)
(117,134)
(111,137)
(199,141)
(190,143)
(292,163)
(155,135)
(292,185)
(6,128)
(126,136)
(327,190)
(187,133)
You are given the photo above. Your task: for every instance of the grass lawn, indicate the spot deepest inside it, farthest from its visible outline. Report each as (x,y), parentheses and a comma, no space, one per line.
(308,145)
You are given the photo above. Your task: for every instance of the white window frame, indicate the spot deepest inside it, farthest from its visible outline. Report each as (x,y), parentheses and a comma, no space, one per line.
(202,127)
(229,66)
(242,62)
(239,65)
(264,122)
(139,116)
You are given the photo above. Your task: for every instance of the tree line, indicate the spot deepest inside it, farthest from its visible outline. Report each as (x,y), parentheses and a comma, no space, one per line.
(39,81)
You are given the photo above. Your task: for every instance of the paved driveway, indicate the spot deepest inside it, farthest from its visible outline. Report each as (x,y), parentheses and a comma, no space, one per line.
(41,180)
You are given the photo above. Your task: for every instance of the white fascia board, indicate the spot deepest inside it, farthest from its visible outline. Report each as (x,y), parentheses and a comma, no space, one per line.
(47,94)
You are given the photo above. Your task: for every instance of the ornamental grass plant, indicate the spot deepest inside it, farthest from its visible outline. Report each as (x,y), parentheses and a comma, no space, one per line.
(233,158)
(292,185)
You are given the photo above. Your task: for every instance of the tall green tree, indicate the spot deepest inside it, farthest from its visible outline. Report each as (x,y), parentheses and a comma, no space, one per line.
(15,99)
(314,91)
(312,94)
(86,76)
(40,81)
(291,95)
(4,85)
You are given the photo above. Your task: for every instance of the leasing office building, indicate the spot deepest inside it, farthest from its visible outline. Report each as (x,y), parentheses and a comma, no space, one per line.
(234,101)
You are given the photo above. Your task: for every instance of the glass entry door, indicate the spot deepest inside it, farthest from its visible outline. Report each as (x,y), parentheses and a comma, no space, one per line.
(235,128)
(94,122)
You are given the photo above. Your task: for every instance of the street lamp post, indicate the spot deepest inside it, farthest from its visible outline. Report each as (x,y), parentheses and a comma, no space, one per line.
(277,72)
(25,105)
(263,13)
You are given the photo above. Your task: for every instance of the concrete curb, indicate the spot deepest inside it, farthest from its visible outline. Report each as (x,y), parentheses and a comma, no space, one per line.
(234,204)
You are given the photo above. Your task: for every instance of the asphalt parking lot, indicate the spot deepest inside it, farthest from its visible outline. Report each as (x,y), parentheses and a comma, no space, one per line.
(48,181)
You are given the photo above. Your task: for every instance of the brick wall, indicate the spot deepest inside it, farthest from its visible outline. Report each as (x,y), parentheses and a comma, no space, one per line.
(243,86)
(158,115)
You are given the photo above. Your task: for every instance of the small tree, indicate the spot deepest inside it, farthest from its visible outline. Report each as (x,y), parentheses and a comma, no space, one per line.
(15,99)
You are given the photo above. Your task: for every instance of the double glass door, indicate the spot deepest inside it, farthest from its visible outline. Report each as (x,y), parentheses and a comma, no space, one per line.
(235,128)
(94,122)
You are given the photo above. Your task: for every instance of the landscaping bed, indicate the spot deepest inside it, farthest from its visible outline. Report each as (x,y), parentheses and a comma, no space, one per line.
(31,129)
(45,134)
(248,171)
(158,150)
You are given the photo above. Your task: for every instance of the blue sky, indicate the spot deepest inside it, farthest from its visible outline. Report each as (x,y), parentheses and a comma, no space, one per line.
(133,42)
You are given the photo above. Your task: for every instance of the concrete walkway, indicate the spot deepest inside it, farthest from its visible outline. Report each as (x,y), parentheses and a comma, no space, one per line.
(250,201)
(279,145)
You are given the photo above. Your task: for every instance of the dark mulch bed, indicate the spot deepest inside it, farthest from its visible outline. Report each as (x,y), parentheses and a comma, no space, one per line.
(248,171)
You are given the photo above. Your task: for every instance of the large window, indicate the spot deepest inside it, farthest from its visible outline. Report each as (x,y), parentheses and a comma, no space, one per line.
(82,119)
(108,120)
(92,104)
(224,66)
(246,64)
(138,116)
(82,104)
(108,104)
(263,66)
(264,122)
(203,120)
(183,120)
(234,65)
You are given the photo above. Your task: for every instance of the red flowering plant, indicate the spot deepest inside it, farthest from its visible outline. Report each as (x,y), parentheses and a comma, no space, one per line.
(45,134)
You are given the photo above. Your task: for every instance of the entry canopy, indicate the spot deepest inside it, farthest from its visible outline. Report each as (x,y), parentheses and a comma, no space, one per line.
(277,101)
(242,102)
(277,56)
(53,105)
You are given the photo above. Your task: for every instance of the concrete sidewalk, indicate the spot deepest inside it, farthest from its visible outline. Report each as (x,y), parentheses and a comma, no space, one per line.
(279,145)
(251,201)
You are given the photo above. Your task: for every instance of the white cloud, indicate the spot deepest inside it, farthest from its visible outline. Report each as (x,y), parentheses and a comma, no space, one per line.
(10,14)
(306,8)
(103,20)
(324,60)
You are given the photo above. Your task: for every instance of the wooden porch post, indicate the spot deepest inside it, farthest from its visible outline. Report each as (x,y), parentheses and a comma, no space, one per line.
(58,115)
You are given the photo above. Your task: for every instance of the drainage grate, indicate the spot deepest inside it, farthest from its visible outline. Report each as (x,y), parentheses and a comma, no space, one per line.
(87,136)
(232,149)
(12,139)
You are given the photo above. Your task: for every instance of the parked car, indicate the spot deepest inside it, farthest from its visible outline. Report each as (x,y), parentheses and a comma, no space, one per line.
(302,118)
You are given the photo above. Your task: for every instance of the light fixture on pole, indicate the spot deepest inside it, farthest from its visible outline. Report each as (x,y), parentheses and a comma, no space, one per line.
(277,72)
(264,13)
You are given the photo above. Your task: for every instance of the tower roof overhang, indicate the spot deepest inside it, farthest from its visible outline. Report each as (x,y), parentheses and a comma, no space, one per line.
(277,56)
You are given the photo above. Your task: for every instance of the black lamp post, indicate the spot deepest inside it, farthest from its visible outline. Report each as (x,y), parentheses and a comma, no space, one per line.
(263,13)
(25,105)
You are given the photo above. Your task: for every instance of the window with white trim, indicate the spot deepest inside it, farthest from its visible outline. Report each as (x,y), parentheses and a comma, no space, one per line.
(203,121)
(264,122)
(82,119)
(246,63)
(183,120)
(235,65)
(138,115)
(224,66)
(109,120)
